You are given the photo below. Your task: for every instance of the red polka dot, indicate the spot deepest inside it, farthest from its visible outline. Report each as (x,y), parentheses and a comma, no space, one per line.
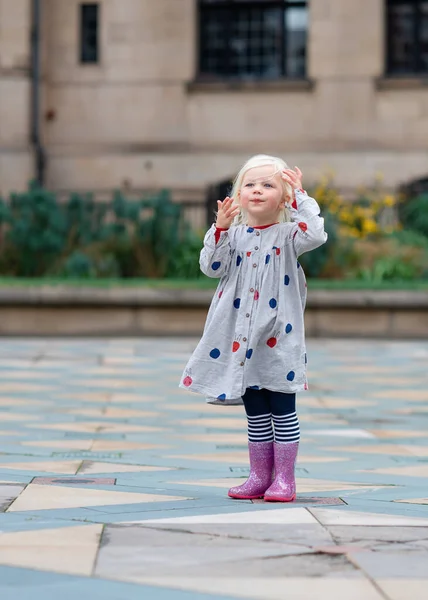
(220,294)
(294,204)
(248,253)
(256,295)
(271,342)
(303,226)
(278,251)
(235,346)
(187,381)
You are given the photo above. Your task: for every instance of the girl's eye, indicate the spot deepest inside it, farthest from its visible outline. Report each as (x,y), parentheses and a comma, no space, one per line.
(249,184)
(268,185)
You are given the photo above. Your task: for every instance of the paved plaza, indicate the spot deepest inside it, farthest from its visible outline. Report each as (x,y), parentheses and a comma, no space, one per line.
(113,481)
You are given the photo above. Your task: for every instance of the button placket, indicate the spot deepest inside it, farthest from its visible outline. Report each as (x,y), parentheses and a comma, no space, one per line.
(246,324)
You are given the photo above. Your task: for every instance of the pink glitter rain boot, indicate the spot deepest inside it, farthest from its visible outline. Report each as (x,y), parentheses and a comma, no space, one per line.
(283,489)
(261,465)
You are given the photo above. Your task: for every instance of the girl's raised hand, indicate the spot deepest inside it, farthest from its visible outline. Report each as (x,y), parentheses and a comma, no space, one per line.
(293,177)
(226,213)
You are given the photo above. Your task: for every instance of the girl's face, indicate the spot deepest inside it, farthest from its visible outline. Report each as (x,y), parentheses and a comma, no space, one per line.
(262,195)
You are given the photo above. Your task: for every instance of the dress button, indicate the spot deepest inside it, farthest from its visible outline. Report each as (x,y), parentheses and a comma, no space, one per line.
(247,315)
(256,248)
(254,265)
(257,232)
(242,364)
(244,339)
(252,290)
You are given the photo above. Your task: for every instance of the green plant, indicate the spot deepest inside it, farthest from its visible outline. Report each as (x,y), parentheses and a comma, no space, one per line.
(185,261)
(414,214)
(387,260)
(408,237)
(80,237)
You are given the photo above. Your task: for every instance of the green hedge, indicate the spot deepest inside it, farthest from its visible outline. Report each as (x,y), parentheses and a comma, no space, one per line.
(122,239)
(83,238)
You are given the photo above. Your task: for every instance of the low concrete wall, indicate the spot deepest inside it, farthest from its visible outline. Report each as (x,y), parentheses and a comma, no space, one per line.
(62,310)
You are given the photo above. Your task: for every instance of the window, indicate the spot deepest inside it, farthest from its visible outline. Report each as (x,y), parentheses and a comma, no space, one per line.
(89,17)
(252,39)
(407,37)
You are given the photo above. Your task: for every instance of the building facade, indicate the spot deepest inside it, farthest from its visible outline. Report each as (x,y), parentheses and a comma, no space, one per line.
(148,94)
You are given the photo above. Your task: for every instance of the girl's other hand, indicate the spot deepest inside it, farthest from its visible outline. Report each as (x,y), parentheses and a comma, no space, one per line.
(293,177)
(226,213)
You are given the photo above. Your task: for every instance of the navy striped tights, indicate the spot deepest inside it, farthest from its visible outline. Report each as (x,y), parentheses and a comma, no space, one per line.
(265,408)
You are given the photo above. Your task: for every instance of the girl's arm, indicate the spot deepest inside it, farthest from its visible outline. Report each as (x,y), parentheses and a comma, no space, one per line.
(216,253)
(215,256)
(308,231)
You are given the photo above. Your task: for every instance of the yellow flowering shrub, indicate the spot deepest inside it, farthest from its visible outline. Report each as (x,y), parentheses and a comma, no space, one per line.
(370,214)
(366,240)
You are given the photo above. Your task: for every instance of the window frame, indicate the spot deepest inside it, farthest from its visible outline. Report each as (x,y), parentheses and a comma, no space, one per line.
(83,59)
(206,5)
(417,70)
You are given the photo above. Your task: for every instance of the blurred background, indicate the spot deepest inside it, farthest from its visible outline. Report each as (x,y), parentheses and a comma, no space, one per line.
(123,121)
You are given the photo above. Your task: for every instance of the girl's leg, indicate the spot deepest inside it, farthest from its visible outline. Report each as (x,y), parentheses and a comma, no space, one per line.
(287,436)
(260,446)
(284,416)
(259,416)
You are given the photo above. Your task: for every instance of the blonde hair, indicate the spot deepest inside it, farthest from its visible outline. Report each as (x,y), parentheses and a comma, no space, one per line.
(261,160)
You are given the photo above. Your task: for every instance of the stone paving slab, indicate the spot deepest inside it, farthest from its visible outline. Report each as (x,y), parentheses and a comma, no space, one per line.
(133,476)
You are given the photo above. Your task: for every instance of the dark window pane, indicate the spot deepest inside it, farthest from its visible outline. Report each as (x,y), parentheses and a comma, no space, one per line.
(407,37)
(214,42)
(424,37)
(89,17)
(255,49)
(401,37)
(248,39)
(295,50)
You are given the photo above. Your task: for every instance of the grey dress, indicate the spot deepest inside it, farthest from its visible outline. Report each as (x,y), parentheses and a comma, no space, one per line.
(254,333)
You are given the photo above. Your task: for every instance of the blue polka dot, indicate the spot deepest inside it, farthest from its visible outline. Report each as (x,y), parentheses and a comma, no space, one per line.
(272,303)
(291,375)
(254,387)
(267,259)
(215,353)
(306,359)
(238,260)
(237,302)
(286,280)
(249,353)
(221,397)
(298,265)
(288,328)
(216,265)
(250,229)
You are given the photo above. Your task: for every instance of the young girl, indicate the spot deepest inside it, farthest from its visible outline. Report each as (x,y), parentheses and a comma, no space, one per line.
(253,346)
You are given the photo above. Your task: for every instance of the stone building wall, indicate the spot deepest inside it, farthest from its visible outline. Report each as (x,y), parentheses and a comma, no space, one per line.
(16,159)
(140,119)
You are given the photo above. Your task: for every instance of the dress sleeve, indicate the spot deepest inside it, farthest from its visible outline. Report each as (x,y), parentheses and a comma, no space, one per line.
(308,231)
(216,254)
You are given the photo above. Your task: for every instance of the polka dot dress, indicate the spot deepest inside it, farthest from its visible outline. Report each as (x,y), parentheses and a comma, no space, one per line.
(254,332)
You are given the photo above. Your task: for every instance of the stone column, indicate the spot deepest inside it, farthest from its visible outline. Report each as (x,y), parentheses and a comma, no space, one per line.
(346,55)
(16,158)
